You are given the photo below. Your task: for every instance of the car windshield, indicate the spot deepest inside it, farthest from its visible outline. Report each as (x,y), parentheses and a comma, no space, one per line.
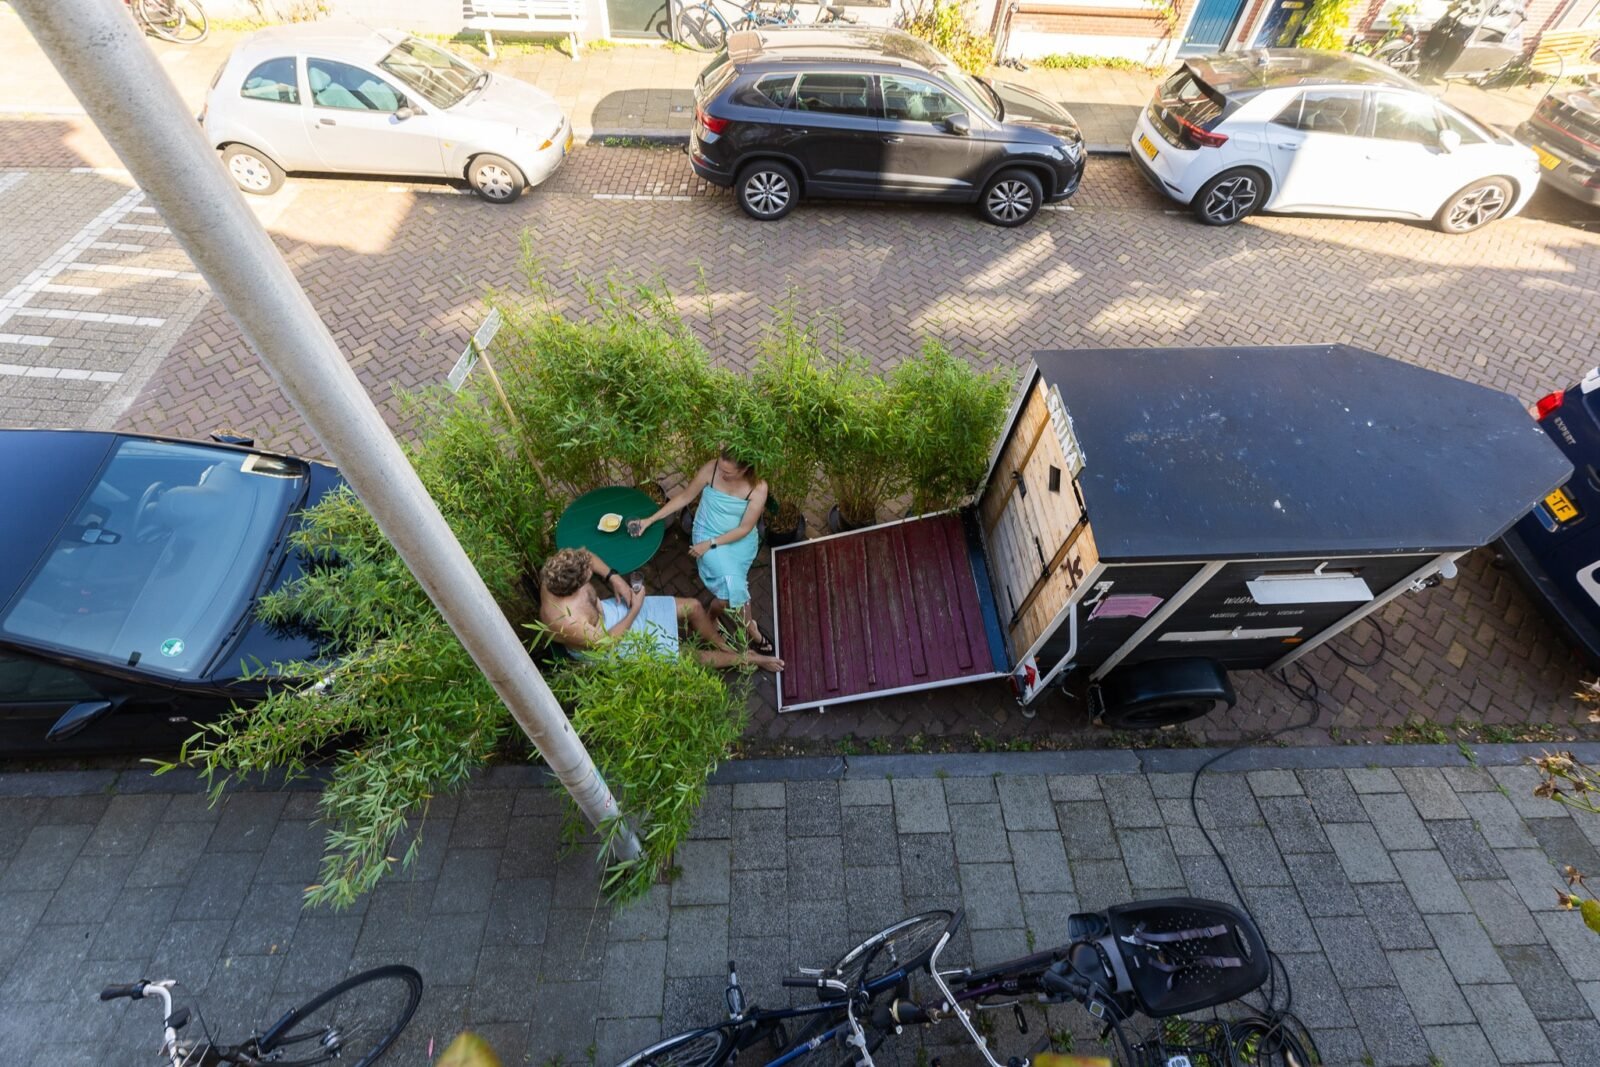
(160,563)
(976,91)
(441,78)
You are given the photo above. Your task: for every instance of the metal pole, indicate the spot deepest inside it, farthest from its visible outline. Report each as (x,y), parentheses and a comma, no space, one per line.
(96,47)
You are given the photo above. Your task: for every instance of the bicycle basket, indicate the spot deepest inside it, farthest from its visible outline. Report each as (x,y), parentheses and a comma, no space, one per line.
(1183,954)
(1197,1043)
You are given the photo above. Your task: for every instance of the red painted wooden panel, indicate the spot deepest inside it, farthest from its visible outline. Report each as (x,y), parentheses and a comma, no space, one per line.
(882,609)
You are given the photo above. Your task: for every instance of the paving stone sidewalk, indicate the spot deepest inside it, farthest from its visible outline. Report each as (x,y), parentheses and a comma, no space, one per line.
(1413,907)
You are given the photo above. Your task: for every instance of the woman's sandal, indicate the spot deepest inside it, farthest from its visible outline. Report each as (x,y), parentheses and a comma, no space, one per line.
(761,644)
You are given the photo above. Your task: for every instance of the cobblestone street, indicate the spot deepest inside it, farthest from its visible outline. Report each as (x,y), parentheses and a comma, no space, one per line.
(1413,908)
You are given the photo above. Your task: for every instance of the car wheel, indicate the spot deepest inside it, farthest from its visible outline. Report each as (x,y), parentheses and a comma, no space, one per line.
(1011,198)
(767,190)
(1230,196)
(252,171)
(1477,205)
(496,179)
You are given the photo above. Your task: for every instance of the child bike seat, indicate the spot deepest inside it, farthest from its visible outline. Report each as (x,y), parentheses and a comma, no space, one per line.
(1182,954)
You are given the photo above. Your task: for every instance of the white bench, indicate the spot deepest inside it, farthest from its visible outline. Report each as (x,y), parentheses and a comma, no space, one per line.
(525,16)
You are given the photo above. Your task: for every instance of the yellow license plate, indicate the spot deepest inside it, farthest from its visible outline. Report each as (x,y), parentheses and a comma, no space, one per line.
(1145,145)
(567,147)
(1561,506)
(1547,160)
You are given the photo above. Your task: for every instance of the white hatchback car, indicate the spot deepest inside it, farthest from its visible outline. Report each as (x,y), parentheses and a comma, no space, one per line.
(1296,130)
(344,98)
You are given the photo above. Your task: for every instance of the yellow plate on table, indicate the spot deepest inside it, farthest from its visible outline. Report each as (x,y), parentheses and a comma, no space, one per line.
(1561,506)
(1148,148)
(1547,160)
(610,522)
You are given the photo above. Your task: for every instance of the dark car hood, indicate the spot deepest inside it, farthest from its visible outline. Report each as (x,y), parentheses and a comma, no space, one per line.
(260,646)
(1028,108)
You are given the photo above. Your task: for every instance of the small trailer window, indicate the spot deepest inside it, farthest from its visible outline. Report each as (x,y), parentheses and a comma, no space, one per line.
(1310,588)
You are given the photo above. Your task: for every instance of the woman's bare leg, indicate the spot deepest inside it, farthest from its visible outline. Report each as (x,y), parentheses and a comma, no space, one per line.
(699,619)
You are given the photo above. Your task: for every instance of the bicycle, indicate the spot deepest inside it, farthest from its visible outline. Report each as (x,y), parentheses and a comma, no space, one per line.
(845,992)
(703,27)
(1159,959)
(178,21)
(337,1025)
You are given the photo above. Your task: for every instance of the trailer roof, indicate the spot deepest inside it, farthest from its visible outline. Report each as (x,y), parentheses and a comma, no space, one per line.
(1243,453)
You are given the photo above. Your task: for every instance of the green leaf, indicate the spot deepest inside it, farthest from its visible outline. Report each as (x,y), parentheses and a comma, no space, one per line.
(1590,910)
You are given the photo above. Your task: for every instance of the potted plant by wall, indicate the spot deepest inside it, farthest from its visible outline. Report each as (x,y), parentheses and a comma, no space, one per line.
(949,415)
(860,451)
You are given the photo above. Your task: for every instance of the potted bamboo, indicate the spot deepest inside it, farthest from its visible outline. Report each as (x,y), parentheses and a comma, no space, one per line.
(949,415)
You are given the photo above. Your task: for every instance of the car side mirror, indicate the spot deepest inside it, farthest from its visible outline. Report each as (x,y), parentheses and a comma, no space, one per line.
(1449,140)
(958,124)
(77,717)
(406,111)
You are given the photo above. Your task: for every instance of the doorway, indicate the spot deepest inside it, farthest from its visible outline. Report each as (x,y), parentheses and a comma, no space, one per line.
(1211,26)
(640,19)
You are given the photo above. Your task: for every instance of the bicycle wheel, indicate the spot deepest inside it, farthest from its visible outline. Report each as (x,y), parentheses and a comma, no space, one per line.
(701,28)
(698,1048)
(179,21)
(907,943)
(354,1023)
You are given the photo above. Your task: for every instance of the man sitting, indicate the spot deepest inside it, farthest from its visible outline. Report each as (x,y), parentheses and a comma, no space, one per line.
(579,619)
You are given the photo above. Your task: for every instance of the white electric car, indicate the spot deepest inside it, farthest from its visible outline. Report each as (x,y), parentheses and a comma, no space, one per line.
(1296,130)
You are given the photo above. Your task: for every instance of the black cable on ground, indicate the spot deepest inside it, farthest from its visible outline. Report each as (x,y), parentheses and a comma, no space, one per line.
(1275,1035)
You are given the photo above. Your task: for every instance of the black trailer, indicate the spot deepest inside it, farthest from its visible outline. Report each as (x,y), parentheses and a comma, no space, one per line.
(1158,517)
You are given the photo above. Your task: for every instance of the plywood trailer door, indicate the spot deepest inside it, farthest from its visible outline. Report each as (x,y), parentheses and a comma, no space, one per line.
(1039,541)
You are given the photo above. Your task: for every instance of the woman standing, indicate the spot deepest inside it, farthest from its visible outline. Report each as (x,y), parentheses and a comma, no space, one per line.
(731,499)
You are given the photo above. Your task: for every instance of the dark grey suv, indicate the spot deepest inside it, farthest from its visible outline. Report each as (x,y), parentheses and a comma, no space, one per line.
(875,113)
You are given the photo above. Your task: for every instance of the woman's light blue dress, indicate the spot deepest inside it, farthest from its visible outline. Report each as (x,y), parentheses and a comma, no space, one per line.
(725,569)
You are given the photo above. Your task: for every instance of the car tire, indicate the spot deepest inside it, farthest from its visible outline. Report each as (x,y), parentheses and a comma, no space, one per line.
(1230,196)
(495,178)
(1011,198)
(767,190)
(251,170)
(1475,206)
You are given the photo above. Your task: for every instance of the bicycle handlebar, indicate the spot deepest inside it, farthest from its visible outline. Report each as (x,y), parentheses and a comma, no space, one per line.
(133,990)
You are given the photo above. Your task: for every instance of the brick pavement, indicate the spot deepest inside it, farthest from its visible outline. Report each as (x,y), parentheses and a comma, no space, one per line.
(400,270)
(1413,907)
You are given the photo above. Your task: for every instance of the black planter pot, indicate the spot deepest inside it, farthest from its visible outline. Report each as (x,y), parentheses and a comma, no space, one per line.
(837,524)
(776,537)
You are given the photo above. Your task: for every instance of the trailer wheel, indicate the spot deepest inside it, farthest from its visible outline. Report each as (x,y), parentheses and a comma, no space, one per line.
(1163,692)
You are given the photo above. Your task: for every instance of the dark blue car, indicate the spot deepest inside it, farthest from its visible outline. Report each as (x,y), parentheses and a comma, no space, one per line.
(1555,548)
(130,569)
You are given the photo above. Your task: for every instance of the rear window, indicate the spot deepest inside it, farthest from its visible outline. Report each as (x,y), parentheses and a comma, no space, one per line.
(273,80)
(834,94)
(1327,111)
(1184,102)
(716,75)
(775,90)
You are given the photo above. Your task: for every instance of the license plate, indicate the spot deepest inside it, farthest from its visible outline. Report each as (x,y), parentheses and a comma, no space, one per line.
(1145,145)
(1561,506)
(566,145)
(1547,160)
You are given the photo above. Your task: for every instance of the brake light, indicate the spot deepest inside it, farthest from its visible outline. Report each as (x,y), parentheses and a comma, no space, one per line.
(713,125)
(1547,404)
(1200,136)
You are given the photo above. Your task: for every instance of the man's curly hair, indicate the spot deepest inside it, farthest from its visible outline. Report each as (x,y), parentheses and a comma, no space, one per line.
(565,572)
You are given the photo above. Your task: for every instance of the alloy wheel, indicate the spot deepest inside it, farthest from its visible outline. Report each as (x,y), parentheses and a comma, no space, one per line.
(767,192)
(1010,200)
(1232,200)
(495,182)
(250,172)
(1475,209)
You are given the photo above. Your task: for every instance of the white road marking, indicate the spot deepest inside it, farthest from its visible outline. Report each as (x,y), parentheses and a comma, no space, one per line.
(60,373)
(11,178)
(638,196)
(140,227)
(72,290)
(112,246)
(146,210)
(88,316)
(142,272)
(112,172)
(24,339)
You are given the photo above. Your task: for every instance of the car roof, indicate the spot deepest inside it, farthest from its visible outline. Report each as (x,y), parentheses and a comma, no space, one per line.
(832,44)
(1242,74)
(349,39)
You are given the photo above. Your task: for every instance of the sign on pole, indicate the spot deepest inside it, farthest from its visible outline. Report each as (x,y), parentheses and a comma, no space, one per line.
(475,347)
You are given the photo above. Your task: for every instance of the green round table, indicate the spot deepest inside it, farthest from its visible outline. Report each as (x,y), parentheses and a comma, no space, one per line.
(579,527)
